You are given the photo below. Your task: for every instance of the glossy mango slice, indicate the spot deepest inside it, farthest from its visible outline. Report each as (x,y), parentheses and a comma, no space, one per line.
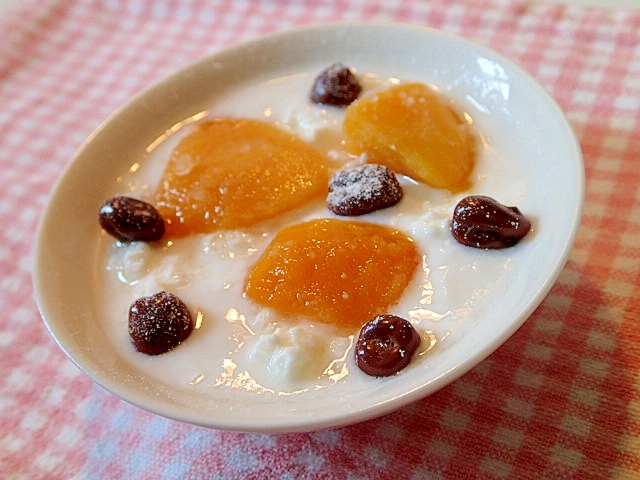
(334,271)
(233,173)
(413,130)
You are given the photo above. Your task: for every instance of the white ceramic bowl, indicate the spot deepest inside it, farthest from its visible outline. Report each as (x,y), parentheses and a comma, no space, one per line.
(509,107)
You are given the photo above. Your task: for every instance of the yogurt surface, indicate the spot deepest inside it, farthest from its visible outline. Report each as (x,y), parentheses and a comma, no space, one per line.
(244,349)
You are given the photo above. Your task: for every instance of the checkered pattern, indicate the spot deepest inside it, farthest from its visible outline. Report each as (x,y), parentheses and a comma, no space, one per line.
(560,399)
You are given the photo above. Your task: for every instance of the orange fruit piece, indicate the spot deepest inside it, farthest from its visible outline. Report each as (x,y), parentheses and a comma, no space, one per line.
(415,131)
(233,173)
(333,271)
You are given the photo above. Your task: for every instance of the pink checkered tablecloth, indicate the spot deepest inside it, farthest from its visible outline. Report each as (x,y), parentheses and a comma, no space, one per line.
(560,399)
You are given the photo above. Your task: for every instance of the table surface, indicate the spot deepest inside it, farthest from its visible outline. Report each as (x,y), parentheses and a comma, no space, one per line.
(560,399)
(4,4)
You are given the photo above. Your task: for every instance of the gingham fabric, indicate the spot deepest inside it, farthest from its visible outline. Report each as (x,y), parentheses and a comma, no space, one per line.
(560,399)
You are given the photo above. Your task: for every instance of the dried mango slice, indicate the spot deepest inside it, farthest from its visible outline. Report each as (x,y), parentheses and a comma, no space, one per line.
(233,173)
(334,271)
(413,130)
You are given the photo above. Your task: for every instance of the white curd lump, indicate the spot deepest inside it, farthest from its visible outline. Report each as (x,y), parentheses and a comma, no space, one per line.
(247,349)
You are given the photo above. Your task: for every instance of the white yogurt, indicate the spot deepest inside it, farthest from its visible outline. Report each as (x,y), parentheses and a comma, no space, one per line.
(243,347)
